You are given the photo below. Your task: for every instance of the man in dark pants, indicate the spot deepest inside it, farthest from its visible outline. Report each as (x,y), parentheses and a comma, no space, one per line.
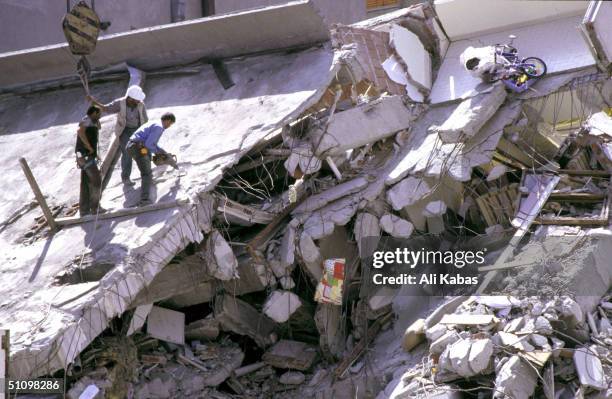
(86,150)
(144,142)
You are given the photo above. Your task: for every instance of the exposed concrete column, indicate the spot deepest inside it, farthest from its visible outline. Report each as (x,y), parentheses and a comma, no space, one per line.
(177,10)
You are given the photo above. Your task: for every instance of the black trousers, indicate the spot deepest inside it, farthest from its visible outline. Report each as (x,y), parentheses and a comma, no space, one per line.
(91,189)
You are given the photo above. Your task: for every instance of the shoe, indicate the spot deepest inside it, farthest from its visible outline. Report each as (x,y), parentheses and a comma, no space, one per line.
(144,202)
(128,182)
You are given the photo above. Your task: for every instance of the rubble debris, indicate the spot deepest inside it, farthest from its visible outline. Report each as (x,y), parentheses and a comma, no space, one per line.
(366,231)
(219,257)
(414,335)
(237,316)
(167,325)
(286,354)
(311,256)
(434,212)
(362,125)
(395,226)
(471,115)
(407,192)
(204,329)
(139,318)
(413,55)
(589,368)
(515,379)
(280,305)
(292,378)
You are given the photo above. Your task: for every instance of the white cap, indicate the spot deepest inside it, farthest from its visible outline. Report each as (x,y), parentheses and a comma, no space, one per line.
(136,93)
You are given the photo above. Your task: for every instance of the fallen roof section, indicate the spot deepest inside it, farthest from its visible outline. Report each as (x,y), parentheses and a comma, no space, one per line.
(52,322)
(295,24)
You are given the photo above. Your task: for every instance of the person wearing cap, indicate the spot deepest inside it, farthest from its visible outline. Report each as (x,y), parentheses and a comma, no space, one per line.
(131,114)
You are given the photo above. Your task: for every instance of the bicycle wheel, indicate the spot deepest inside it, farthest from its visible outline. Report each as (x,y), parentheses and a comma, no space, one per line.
(534,67)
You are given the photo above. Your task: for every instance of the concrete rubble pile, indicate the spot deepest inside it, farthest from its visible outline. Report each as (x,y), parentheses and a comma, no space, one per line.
(511,348)
(263,291)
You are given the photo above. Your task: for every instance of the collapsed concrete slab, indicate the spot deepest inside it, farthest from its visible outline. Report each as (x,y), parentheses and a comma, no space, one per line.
(413,55)
(286,354)
(471,115)
(241,318)
(205,329)
(135,248)
(363,124)
(167,325)
(589,368)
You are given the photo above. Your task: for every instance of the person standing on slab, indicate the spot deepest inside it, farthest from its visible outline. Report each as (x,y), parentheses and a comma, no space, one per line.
(86,151)
(140,147)
(131,114)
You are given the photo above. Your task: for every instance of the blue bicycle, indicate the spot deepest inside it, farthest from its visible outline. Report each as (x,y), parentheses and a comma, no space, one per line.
(517,73)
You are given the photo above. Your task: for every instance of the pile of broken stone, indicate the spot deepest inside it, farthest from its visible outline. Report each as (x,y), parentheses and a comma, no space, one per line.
(505,347)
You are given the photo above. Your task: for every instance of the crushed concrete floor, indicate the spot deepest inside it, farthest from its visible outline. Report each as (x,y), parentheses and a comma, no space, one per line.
(251,275)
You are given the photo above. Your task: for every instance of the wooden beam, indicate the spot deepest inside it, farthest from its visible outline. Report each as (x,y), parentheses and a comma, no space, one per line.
(576,172)
(38,194)
(577,197)
(73,220)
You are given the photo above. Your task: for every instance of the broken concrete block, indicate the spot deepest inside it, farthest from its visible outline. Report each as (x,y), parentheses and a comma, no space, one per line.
(292,378)
(508,339)
(138,318)
(367,233)
(361,125)
(330,325)
(458,356)
(589,368)
(318,201)
(219,257)
(407,192)
(497,172)
(435,332)
(481,353)
(516,379)
(241,318)
(287,248)
(287,282)
(311,256)
(444,341)
(414,335)
(471,115)
(205,329)
(167,325)
(302,156)
(434,212)
(286,354)
(469,319)
(280,305)
(395,226)
(412,54)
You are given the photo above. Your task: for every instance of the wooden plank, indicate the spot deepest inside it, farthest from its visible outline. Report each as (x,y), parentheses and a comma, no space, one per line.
(73,220)
(484,209)
(38,194)
(578,197)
